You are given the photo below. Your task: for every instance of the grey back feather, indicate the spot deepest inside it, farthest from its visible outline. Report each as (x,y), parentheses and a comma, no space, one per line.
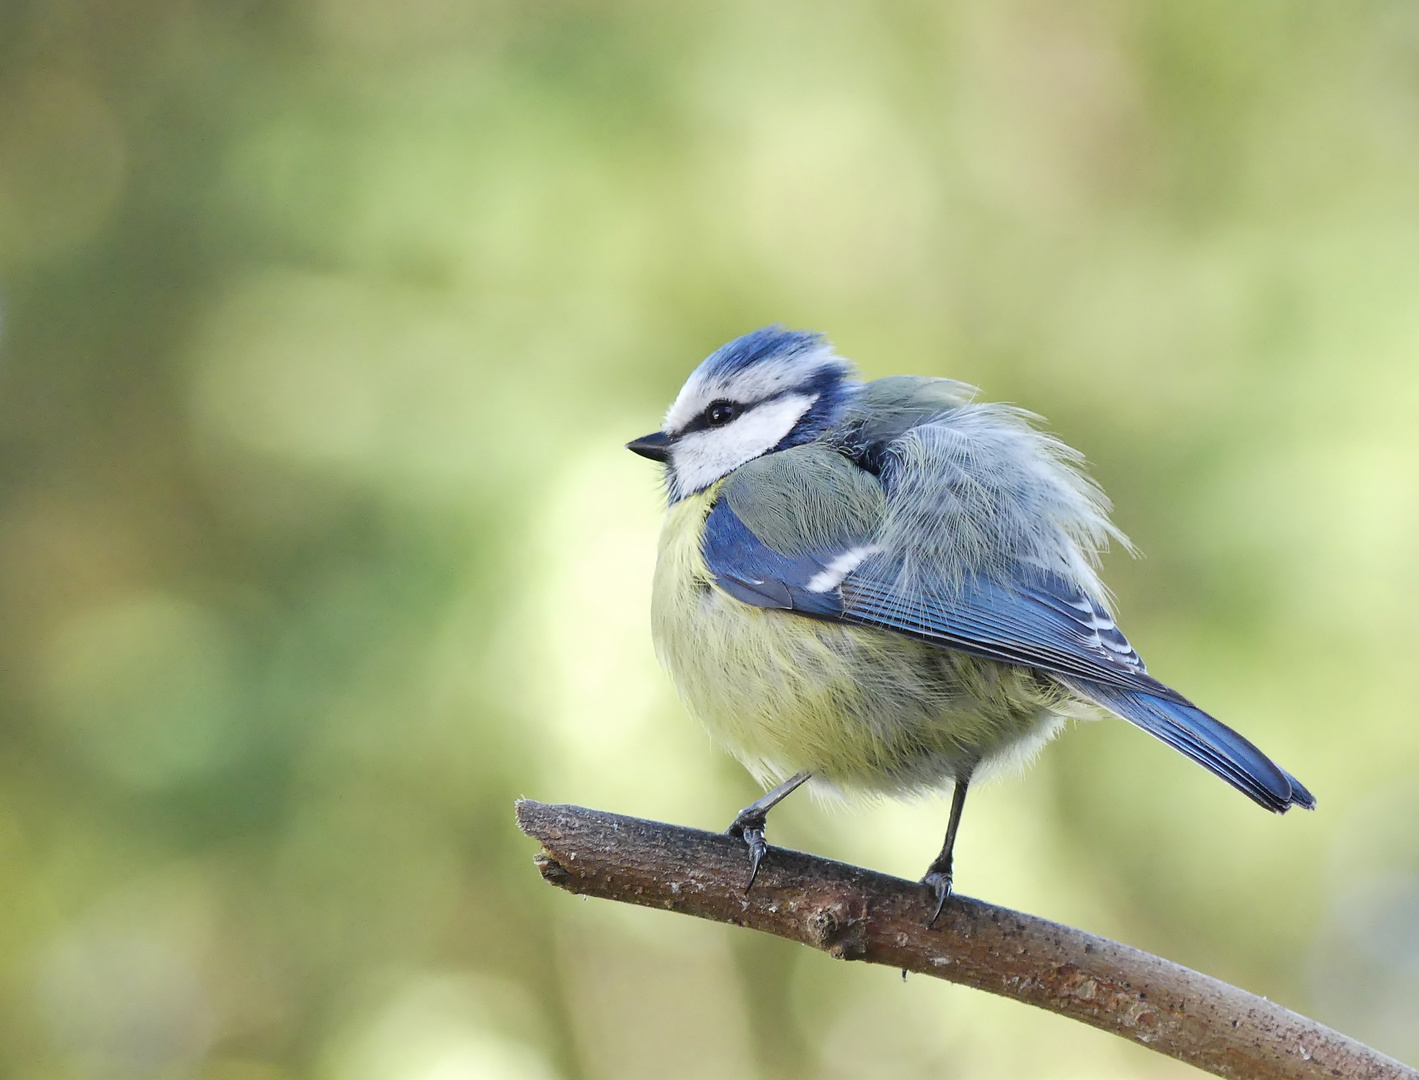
(943,486)
(808,496)
(978,489)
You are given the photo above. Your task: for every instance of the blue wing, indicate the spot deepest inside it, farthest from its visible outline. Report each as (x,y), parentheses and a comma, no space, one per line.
(1036,620)
(749,570)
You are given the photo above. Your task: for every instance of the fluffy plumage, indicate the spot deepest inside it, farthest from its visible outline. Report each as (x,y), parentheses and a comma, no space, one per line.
(890,585)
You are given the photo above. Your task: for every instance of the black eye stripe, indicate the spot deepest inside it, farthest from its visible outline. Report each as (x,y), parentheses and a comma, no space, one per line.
(730,411)
(701,422)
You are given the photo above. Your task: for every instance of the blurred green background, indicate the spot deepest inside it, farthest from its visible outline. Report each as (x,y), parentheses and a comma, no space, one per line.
(322,325)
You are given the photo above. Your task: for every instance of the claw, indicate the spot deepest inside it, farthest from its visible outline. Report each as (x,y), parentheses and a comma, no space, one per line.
(940,885)
(755,839)
(748,825)
(751,830)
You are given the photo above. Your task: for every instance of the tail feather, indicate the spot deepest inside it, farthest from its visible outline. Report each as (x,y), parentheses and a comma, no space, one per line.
(1299,793)
(1207,741)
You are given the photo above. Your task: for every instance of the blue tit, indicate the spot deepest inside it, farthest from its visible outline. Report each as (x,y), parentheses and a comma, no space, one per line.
(887,587)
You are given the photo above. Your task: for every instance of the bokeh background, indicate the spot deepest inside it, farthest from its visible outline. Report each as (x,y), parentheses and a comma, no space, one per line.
(322,325)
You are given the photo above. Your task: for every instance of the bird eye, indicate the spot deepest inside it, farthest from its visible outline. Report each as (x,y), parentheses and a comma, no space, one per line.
(721,412)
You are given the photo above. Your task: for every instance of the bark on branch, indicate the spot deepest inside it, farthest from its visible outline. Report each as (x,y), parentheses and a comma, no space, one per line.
(856,914)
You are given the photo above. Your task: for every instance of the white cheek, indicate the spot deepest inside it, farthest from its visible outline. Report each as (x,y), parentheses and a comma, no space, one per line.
(704,456)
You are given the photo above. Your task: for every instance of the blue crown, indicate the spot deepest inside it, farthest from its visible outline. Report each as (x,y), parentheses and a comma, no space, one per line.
(767,343)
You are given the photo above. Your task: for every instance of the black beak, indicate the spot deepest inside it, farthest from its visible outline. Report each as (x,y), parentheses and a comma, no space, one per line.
(655,446)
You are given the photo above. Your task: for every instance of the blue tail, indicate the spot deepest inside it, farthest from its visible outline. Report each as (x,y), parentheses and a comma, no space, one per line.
(1209,742)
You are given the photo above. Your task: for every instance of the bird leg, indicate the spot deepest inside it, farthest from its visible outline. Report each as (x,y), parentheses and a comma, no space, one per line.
(748,824)
(938,874)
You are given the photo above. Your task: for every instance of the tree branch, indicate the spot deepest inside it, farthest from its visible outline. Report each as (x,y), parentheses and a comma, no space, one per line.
(856,914)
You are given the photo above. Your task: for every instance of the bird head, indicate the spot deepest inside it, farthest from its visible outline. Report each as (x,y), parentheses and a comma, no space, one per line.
(764,392)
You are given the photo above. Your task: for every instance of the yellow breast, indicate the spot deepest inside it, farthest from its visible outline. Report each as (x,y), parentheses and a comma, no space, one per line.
(861,708)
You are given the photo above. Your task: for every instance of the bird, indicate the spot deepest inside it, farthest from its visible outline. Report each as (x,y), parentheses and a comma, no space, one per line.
(882,588)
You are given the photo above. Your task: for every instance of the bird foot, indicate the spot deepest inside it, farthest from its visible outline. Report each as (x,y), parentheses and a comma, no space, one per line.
(939,882)
(749,827)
